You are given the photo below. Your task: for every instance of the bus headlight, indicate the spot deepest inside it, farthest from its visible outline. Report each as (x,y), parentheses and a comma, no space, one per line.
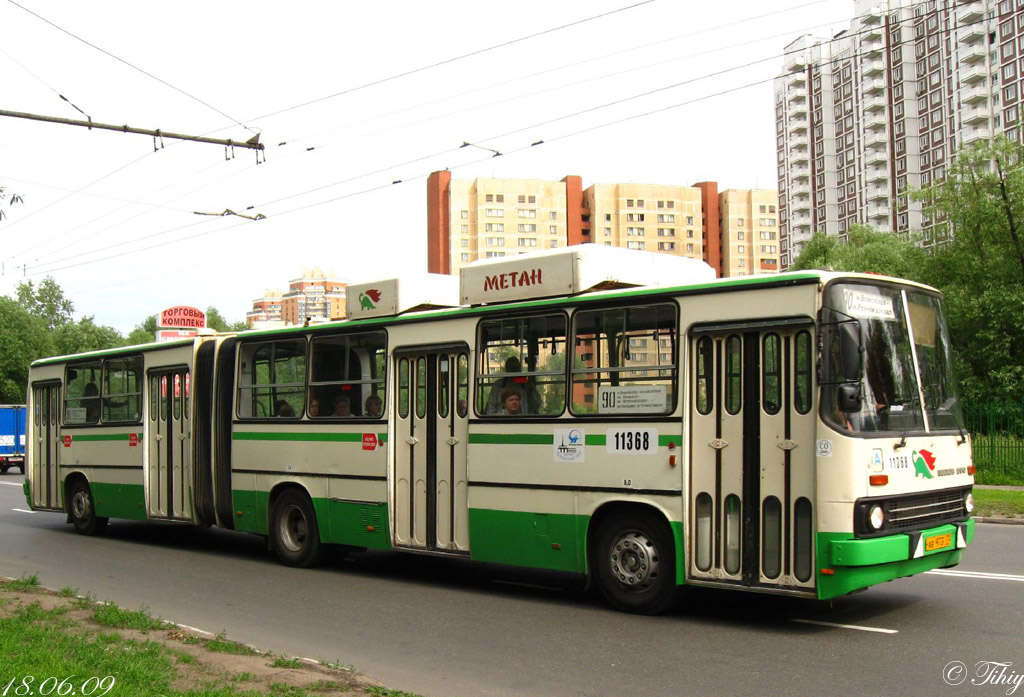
(876,517)
(969,502)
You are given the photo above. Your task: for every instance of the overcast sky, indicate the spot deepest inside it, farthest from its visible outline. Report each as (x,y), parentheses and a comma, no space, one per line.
(349,98)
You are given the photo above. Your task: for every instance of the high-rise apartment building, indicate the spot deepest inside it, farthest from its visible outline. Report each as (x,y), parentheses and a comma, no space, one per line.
(869,115)
(750,232)
(313,297)
(484,218)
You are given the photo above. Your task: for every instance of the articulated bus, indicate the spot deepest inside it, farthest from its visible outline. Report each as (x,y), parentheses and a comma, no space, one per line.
(798,433)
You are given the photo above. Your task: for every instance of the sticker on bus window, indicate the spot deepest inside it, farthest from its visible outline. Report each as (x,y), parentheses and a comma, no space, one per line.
(74,415)
(632,399)
(570,445)
(863,304)
(631,441)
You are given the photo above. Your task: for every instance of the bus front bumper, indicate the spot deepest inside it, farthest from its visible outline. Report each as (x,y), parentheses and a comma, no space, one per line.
(847,564)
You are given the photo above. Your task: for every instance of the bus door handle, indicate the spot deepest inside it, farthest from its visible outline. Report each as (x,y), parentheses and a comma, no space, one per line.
(452,441)
(412,440)
(787,444)
(718,444)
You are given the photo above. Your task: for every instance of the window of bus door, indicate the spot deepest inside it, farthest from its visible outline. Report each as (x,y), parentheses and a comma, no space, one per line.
(122,390)
(625,360)
(526,355)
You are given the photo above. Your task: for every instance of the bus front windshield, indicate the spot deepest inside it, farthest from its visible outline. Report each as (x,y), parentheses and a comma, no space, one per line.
(906,380)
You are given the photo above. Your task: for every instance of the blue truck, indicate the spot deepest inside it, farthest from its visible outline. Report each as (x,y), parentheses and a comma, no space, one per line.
(12,437)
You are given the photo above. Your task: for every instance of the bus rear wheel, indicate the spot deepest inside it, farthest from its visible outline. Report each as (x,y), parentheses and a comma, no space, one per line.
(82,510)
(633,562)
(294,532)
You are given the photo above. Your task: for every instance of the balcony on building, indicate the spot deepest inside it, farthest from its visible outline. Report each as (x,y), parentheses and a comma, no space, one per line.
(975,73)
(877,194)
(974,93)
(875,121)
(796,79)
(800,173)
(795,63)
(873,66)
(977,114)
(870,34)
(875,175)
(970,12)
(874,85)
(973,54)
(798,109)
(798,155)
(875,139)
(876,156)
(799,193)
(970,135)
(874,103)
(796,96)
(797,127)
(971,33)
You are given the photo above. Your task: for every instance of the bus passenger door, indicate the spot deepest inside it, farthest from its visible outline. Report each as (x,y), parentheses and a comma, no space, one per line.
(169,462)
(429,477)
(752,465)
(46,445)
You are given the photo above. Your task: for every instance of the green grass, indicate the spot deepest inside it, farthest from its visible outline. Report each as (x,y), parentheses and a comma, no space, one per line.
(998,502)
(110,615)
(221,645)
(45,633)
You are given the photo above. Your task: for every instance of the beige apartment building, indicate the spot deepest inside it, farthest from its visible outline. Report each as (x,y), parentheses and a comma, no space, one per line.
(750,232)
(487,218)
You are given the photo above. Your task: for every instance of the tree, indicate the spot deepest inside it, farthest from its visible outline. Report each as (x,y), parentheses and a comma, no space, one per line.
(47,301)
(144,333)
(85,335)
(981,270)
(215,320)
(866,250)
(24,339)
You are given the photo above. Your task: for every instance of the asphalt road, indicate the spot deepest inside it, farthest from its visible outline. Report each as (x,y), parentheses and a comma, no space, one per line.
(444,628)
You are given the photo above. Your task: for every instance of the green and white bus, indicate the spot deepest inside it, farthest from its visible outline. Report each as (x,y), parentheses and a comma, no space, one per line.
(796,433)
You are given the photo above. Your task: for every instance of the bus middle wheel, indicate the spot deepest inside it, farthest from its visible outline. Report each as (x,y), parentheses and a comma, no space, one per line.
(294,532)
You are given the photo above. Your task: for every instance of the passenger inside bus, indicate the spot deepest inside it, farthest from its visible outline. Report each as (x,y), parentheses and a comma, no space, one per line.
(374,406)
(511,403)
(313,410)
(284,409)
(342,406)
(524,386)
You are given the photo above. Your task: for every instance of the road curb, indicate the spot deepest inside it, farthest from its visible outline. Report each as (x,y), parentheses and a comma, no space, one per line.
(1000,521)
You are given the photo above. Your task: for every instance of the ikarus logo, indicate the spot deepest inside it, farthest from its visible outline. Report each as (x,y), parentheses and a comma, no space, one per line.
(924,463)
(369,298)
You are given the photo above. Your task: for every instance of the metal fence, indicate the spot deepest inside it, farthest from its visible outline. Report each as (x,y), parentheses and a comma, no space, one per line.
(997,436)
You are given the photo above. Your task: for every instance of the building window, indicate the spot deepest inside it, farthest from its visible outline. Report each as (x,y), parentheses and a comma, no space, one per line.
(495,212)
(666,246)
(527,241)
(527,227)
(494,227)
(494,241)
(635,245)
(527,213)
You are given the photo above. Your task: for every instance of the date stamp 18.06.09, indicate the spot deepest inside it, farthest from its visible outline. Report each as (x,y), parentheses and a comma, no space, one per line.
(71,686)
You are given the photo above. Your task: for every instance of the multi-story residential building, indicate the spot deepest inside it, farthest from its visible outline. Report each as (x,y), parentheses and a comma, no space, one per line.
(868,116)
(313,297)
(265,310)
(750,232)
(470,220)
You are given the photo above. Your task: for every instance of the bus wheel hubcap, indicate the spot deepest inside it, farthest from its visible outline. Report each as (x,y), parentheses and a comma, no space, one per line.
(293,529)
(80,505)
(634,560)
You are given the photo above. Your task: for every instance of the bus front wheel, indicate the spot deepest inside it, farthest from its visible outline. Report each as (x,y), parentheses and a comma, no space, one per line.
(294,530)
(83,511)
(633,562)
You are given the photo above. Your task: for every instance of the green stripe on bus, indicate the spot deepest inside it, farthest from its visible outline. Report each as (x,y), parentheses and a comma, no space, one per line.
(512,438)
(330,437)
(83,438)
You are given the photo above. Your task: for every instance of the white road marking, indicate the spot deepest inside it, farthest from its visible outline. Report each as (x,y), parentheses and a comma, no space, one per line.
(22,510)
(858,627)
(977,574)
(18,484)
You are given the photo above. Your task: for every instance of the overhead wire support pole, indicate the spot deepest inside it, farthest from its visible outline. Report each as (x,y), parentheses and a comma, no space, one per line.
(252,144)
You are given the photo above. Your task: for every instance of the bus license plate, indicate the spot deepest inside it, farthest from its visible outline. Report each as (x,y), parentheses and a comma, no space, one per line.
(938,542)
